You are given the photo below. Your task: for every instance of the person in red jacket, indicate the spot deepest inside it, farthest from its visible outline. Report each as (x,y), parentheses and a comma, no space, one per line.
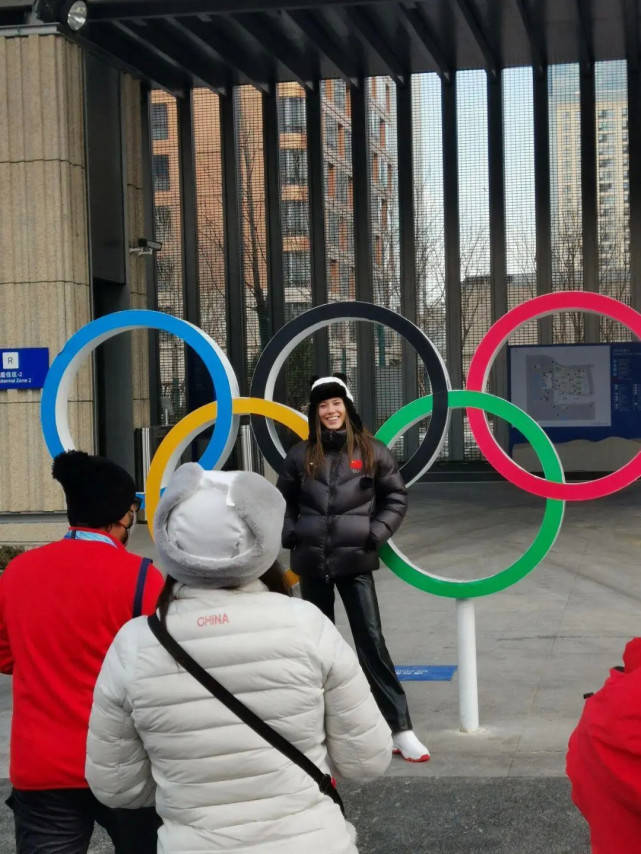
(604,759)
(61,606)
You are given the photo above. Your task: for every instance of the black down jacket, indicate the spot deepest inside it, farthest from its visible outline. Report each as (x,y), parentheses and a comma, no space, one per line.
(335,522)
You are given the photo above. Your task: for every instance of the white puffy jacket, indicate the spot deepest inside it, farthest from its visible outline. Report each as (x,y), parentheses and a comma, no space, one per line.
(155,732)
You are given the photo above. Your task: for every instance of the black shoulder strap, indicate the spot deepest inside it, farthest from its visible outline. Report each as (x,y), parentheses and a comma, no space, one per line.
(270,735)
(140,586)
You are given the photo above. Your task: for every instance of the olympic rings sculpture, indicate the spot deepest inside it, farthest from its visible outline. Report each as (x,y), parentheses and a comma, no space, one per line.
(224,414)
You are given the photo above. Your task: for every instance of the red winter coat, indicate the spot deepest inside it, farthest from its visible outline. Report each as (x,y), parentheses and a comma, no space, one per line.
(604,760)
(60,607)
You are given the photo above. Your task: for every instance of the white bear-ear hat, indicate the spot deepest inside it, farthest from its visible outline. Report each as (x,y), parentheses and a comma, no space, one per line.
(218,529)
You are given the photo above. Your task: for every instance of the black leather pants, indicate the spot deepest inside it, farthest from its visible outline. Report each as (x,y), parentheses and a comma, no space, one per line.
(61,821)
(359,598)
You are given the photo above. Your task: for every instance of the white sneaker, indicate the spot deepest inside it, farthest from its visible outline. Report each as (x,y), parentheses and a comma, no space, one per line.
(409,747)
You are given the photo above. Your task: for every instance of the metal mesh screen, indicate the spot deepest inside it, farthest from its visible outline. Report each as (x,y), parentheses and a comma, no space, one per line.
(383,178)
(428,219)
(294,207)
(339,219)
(613,216)
(520,222)
(251,177)
(169,260)
(565,193)
(210,221)
(471,107)
(428,207)
(613,188)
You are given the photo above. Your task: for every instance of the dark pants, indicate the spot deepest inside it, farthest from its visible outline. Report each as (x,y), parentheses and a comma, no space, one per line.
(61,821)
(359,598)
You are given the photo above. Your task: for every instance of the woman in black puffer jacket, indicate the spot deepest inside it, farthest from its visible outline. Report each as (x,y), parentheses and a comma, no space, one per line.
(345,497)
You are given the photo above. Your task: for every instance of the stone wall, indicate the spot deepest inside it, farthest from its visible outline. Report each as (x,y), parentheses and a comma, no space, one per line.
(45,292)
(45,288)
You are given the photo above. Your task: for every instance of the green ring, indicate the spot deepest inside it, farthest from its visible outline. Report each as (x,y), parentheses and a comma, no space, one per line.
(552,518)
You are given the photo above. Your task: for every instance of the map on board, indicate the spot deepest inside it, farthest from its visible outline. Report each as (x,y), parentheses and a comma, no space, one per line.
(563,385)
(558,392)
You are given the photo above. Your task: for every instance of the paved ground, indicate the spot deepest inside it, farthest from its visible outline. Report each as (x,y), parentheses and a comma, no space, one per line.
(541,645)
(451,815)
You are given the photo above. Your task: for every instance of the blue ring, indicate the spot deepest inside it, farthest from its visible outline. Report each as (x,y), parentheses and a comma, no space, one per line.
(120,321)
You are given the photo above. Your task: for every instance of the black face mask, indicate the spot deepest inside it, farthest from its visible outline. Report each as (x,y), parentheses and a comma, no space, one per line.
(127,529)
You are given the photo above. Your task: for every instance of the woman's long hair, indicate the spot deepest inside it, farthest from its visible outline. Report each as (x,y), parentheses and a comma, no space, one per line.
(361,440)
(165,599)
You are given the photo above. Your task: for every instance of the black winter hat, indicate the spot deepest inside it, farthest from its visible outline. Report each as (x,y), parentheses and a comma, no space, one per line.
(323,388)
(98,491)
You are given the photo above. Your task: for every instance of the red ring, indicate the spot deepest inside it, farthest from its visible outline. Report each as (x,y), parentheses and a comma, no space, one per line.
(480,367)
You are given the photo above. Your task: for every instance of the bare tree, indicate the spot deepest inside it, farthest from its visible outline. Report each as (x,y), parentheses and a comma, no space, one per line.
(614,272)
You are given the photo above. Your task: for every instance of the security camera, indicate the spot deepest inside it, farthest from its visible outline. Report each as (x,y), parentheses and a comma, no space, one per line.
(145,247)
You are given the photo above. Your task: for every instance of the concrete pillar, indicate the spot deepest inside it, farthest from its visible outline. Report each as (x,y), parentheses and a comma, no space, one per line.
(44,269)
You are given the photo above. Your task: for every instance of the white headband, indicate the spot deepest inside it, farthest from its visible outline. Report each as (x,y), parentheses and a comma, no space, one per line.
(323,380)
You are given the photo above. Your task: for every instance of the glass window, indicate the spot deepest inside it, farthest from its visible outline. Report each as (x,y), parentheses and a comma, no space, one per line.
(293,164)
(374,168)
(332,230)
(294,218)
(160,171)
(162,223)
(345,276)
(333,276)
(292,114)
(165,274)
(341,186)
(297,268)
(331,181)
(159,121)
(331,132)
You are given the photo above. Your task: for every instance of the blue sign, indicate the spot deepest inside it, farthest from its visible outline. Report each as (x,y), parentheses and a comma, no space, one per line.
(23,368)
(425,672)
(626,389)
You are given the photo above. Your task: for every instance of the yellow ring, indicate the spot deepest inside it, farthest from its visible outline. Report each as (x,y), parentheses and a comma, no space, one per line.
(199,420)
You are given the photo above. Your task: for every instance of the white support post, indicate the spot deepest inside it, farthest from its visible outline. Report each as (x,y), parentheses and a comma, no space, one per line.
(467,681)
(246,450)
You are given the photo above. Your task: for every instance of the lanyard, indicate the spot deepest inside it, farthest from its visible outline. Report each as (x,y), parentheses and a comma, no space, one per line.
(89,535)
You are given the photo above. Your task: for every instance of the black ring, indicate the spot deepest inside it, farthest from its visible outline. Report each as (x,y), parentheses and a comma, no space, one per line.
(280,346)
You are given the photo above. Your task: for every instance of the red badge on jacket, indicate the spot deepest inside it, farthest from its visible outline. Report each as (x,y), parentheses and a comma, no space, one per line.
(356,465)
